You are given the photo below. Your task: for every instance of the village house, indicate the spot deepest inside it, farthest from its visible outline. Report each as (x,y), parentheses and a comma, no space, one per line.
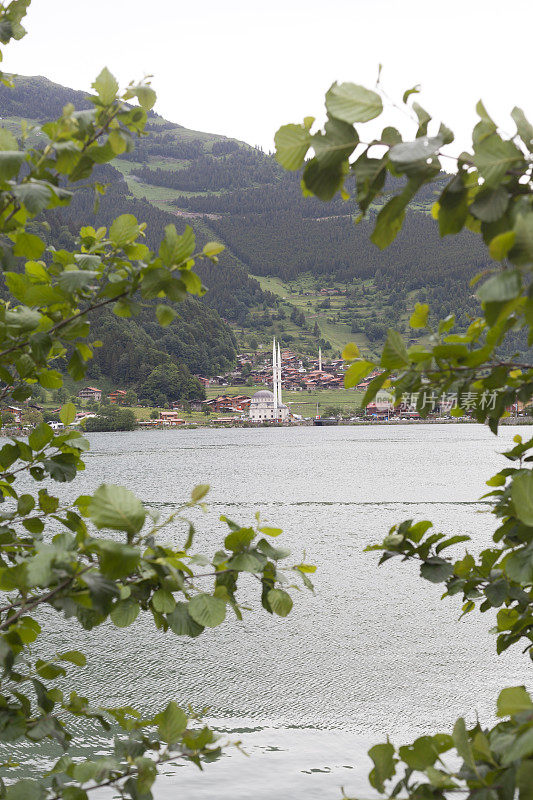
(170,418)
(226,402)
(118,397)
(17,413)
(90,393)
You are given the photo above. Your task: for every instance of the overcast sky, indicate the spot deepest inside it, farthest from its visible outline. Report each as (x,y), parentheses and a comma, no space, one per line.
(244,67)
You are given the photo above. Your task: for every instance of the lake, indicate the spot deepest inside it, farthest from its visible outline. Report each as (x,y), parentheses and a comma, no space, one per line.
(373,652)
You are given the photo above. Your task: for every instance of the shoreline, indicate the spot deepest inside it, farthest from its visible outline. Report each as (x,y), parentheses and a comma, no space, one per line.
(509,421)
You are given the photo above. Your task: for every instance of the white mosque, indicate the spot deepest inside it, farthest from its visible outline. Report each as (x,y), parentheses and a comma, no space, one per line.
(267,405)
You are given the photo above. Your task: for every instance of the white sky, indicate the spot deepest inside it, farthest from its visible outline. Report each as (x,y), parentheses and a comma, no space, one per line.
(244,67)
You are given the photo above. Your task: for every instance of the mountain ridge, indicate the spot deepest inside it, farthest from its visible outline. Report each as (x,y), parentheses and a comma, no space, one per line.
(235,193)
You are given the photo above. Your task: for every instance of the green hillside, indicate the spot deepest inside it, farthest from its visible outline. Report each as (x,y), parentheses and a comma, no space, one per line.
(293,266)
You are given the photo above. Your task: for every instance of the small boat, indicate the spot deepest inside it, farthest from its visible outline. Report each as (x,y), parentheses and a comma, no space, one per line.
(325,421)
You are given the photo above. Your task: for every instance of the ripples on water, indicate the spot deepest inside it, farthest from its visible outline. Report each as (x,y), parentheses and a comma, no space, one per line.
(372,652)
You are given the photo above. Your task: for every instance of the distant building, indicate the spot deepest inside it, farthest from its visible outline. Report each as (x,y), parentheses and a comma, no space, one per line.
(90,393)
(262,408)
(118,397)
(170,418)
(268,406)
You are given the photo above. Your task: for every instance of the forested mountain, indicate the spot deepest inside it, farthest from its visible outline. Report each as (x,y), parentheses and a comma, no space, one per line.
(231,292)
(235,193)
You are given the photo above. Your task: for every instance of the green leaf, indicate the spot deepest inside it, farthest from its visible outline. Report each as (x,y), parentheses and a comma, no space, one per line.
(523,127)
(239,540)
(268,531)
(40,436)
(277,553)
(521,748)
(389,221)
(145,95)
(10,163)
(117,508)
(106,86)
(384,765)
(394,354)
(292,143)
(499,288)
(117,560)
(212,249)
(175,249)
(507,618)
(352,103)
(124,613)
(26,789)
(420,755)
(165,314)
(163,601)
(493,157)
(73,793)
(423,118)
(496,592)
(519,566)
(409,92)
(350,352)
(28,245)
(84,771)
(336,144)
(124,230)
(501,244)
(7,140)
(74,657)
(72,280)
(416,531)
(171,723)
(199,492)
(207,610)
(419,317)
(522,497)
(373,388)
(245,562)
(513,700)
(35,195)
(436,570)
(356,372)
(324,182)
(280,602)
(181,623)
(522,250)
(524,780)
(390,136)
(408,154)
(48,670)
(462,745)
(68,413)
(28,629)
(490,204)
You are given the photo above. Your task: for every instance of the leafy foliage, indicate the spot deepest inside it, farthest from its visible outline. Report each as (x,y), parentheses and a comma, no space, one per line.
(82,572)
(490,193)
(112,418)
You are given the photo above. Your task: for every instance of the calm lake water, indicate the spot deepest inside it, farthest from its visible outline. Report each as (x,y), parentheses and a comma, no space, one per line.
(373,652)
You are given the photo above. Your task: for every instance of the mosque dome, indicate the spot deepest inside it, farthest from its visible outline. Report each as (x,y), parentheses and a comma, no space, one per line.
(263,396)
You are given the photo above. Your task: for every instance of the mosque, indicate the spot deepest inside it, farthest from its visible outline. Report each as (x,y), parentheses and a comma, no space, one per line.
(267,405)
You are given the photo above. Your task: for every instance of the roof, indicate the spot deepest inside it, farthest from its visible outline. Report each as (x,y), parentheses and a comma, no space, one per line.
(263,396)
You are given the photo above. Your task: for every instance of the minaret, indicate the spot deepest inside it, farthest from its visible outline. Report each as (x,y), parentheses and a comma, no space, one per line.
(279,375)
(320,359)
(274,375)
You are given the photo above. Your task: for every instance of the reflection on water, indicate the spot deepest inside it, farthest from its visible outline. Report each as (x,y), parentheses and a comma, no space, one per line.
(372,652)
